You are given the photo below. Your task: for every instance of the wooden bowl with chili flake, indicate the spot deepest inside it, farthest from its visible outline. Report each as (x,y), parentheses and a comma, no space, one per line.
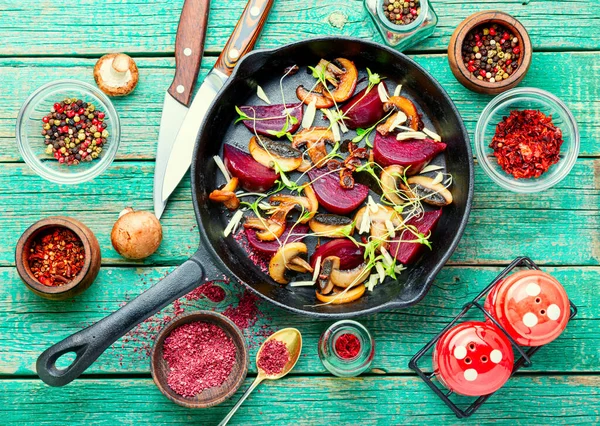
(201,345)
(58,257)
(485,74)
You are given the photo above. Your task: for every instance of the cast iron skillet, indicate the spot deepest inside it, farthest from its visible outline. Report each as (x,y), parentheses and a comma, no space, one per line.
(217,255)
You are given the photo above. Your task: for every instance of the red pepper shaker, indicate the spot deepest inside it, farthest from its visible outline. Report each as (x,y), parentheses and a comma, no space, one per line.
(532,306)
(473,358)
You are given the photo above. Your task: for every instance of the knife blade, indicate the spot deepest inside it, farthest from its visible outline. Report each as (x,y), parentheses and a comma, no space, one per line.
(241,41)
(189,48)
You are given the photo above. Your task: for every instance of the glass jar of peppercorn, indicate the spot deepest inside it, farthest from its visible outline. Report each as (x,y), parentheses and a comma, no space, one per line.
(68,131)
(403,23)
(346,349)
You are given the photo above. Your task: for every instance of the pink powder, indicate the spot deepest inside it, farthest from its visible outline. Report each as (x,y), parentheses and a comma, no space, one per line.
(245,313)
(273,357)
(212,292)
(200,356)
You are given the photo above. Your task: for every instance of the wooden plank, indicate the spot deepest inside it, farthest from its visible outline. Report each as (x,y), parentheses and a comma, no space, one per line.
(31,324)
(560,226)
(303,400)
(31,28)
(141,111)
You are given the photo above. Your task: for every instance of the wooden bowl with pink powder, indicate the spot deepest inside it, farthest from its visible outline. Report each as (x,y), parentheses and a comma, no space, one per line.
(199,359)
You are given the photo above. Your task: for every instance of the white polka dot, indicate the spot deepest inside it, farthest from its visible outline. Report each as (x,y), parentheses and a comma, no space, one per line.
(187,51)
(470,375)
(460,352)
(553,312)
(529,319)
(234,53)
(255,11)
(496,356)
(533,289)
(180,89)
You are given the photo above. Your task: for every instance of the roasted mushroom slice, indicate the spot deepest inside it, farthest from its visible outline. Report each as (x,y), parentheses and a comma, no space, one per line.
(226,195)
(289,256)
(331,275)
(308,204)
(392,123)
(324,283)
(267,152)
(390,182)
(321,101)
(338,297)
(267,229)
(314,139)
(382,221)
(343,75)
(331,225)
(400,103)
(426,189)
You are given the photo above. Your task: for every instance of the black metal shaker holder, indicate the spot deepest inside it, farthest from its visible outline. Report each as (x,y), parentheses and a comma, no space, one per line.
(523,361)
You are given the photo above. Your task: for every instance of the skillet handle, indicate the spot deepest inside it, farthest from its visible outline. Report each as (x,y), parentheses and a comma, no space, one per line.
(89,343)
(244,35)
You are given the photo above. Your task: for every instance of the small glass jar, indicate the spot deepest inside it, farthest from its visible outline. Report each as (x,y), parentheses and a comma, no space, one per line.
(340,364)
(403,36)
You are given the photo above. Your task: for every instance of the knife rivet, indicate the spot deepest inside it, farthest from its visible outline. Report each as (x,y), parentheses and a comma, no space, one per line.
(255,11)
(187,51)
(180,89)
(234,53)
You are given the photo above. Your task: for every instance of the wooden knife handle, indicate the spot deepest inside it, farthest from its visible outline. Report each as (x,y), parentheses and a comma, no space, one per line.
(244,35)
(189,47)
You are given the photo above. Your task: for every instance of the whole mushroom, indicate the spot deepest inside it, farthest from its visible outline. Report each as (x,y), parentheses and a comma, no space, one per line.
(136,234)
(116,74)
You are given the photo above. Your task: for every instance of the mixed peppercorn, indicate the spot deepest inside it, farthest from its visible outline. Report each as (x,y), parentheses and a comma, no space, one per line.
(74,131)
(56,256)
(491,52)
(527,143)
(401,12)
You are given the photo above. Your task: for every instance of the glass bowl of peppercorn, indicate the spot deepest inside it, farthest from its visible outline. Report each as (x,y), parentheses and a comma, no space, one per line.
(526,140)
(68,131)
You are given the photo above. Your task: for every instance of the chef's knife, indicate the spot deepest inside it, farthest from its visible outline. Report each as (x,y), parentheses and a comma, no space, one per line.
(242,40)
(189,47)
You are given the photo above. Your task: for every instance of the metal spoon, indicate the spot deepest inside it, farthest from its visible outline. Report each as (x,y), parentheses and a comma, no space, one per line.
(293,340)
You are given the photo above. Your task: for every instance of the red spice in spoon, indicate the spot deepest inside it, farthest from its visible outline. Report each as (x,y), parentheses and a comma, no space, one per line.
(273,357)
(200,356)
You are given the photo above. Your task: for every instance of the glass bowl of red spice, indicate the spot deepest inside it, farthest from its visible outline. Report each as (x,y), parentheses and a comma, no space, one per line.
(199,359)
(526,140)
(68,131)
(58,257)
(346,349)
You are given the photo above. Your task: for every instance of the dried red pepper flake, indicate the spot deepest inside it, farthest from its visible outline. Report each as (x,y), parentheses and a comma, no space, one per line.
(200,356)
(527,143)
(56,256)
(347,346)
(273,357)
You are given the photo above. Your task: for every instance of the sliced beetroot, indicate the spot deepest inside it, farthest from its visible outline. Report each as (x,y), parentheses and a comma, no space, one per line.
(363,110)
(414,153)
(268,248)
(253,176)
(332,196)
(350,255)
(272,118)
(407,253)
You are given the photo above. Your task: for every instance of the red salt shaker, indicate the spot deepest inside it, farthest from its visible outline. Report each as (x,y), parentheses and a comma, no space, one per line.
(473,358)
(532,306)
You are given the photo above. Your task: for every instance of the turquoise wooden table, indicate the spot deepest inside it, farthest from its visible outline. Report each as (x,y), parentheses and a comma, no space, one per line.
(559,228)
